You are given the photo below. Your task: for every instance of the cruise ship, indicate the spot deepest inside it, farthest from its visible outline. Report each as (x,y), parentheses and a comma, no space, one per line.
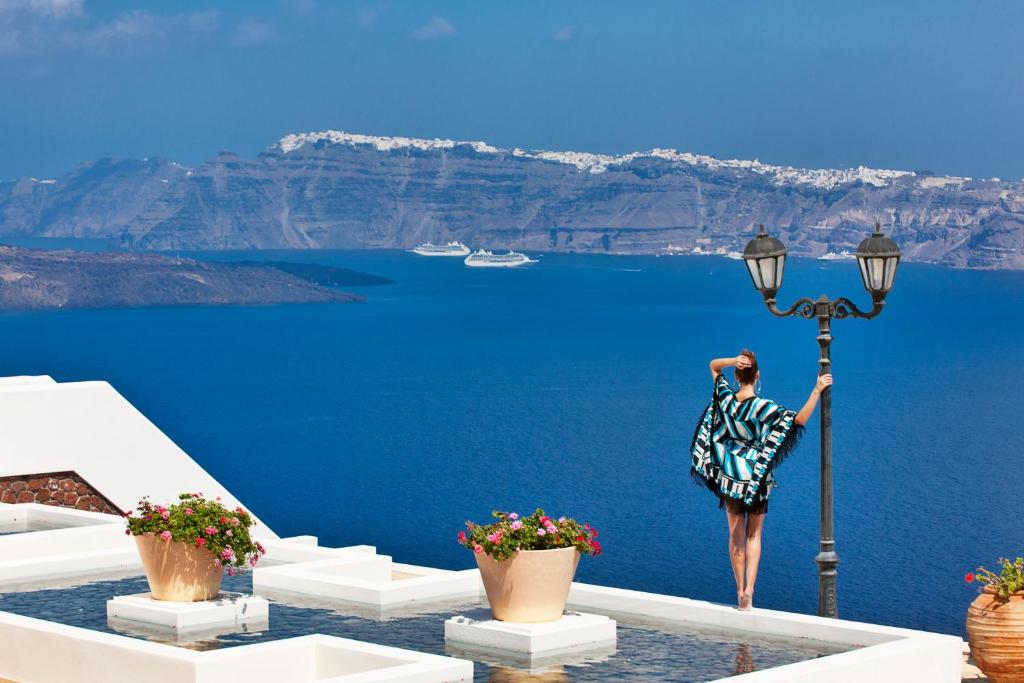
(833,256)
(450,249)
(485,259)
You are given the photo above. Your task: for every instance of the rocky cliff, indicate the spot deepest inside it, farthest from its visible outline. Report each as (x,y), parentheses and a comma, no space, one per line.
(339,190)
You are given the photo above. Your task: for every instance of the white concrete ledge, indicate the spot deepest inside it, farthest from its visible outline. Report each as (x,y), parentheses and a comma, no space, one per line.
(226,608)
(575,631)
(367,579)
(36,517)
(29,652)
(885,654)
(70,543)
(305,549)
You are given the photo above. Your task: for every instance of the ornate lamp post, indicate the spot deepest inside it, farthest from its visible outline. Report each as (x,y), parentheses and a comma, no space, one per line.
(877,257)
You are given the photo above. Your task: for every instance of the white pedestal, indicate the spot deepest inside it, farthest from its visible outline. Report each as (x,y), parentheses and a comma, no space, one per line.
(225,610)
(573,631)
(367,579)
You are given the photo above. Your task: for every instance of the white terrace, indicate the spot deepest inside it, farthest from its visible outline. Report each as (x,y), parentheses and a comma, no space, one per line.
(87,434)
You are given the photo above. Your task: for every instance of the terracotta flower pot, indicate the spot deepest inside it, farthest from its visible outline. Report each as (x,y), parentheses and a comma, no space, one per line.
(531,586)
(178,572)
(995,629)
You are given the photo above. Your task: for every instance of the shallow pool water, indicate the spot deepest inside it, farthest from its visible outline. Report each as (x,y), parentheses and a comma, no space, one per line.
(646,650)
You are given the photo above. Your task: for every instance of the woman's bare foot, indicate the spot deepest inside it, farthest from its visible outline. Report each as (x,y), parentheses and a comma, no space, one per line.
(746,601)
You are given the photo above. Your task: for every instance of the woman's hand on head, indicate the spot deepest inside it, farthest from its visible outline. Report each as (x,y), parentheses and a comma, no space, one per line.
(742,362)
(824,382)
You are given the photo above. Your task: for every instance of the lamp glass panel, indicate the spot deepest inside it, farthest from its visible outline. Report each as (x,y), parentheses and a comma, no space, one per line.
(890,272)
(863,264)
(876,268)
(780,264)
(755,273)
(767,267)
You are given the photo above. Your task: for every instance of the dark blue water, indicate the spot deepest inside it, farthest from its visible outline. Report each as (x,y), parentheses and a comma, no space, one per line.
(574,385)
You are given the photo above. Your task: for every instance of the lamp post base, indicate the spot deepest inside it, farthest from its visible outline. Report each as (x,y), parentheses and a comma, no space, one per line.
(827,561)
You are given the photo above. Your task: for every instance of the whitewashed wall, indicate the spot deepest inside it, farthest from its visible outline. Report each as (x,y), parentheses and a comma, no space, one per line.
(89,428)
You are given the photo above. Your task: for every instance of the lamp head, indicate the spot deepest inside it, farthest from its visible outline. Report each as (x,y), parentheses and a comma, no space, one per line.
(765,257)
(878,257)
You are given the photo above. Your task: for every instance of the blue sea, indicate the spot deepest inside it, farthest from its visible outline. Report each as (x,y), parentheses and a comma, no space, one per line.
(574,385)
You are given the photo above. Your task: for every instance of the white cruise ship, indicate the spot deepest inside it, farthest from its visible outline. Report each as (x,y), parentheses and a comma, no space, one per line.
(485,259)
(833,256)
(450,249)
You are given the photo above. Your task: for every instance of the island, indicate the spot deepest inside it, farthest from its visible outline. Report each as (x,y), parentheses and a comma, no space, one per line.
(39,279)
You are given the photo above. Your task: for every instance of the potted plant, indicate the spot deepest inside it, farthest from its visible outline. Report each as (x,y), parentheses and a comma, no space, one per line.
(527,563)
(995,622)
(186,547)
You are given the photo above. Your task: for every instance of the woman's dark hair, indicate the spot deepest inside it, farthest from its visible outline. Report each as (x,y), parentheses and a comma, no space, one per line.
(747,375)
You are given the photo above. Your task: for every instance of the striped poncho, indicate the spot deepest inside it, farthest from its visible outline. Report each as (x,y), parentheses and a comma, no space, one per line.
(738,444)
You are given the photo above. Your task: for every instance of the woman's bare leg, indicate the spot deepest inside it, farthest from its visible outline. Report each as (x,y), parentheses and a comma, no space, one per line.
(753,546)
(737,547)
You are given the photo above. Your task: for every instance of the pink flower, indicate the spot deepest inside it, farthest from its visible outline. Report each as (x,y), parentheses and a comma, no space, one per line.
(227,553)
(216,563)
(516,525)
(514,515)
(165,514)
(495,537)
(229,533)
(166,535)
(540,532)
(210,531)
(478,548)
(188,511)
(462,537)
(200,542)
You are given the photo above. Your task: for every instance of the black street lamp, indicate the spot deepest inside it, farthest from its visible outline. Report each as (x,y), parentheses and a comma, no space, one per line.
(877,257)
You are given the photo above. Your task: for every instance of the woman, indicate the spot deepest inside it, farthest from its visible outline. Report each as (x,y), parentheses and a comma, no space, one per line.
(738,443)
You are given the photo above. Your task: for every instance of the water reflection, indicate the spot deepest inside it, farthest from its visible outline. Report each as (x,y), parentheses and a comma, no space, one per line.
(507,674)
(744,658)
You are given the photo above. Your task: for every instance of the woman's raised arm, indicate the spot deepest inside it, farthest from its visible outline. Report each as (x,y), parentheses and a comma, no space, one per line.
(824,382)
(719,364)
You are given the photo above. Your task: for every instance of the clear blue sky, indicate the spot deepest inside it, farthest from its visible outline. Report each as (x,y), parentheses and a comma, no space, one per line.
(912,85)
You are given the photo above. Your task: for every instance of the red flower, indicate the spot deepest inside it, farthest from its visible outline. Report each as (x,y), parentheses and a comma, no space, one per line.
(969,577)
(545,519)
(596,547)
(462,537)
(200,542)
(581,538)
(593,533)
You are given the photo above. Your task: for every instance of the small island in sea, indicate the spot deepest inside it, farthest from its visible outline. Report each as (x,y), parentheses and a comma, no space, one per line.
(38,279)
